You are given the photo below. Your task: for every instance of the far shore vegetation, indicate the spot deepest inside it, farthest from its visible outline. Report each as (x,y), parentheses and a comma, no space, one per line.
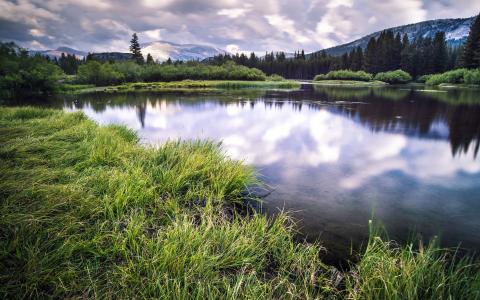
(183,85)
(87,212)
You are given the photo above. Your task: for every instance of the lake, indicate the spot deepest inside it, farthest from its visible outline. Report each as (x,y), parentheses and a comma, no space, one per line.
(334,156)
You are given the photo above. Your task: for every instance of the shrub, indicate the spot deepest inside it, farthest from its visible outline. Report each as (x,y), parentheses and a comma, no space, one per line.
(22,73)
(454,76)
(199,71)
(130,70)
(397,76)
(424,78)
(472,76)
(99,74)
(275,77)
(320,77)
(345,75)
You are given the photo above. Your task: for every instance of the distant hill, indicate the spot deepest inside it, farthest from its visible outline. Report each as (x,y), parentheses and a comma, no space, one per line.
(456,31)
(162,50)
(114,56)
(58,52)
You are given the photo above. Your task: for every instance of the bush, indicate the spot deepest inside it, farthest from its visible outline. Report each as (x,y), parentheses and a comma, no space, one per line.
(130,70)
(345,75)
(397,76)
(275,77)
(424,78)
(22,73)
(454,76)
(99,74)
(472,76)
(108,74)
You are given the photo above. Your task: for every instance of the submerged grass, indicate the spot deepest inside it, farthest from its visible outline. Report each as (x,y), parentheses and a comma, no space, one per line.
(191,85)
(89,213)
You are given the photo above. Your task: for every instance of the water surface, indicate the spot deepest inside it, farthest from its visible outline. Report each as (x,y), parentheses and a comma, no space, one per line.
(334,156)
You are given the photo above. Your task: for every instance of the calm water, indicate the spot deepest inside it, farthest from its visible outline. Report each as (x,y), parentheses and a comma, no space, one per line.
(334,156)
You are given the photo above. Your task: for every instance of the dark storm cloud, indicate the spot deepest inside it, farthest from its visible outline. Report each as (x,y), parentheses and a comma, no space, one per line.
(106,25)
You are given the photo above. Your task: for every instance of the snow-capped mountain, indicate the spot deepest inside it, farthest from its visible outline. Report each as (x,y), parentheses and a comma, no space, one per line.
(456,31)
(162,50)
(58,52)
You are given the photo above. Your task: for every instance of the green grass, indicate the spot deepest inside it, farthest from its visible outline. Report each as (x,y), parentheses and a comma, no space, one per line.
(68,87)
(344,75)
(87,212)
(455,78)
(389,271)
(350,83)
(193,85)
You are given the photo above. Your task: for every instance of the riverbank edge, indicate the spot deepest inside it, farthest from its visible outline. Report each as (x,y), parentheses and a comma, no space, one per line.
(89,212)
(349,83)
(181,85)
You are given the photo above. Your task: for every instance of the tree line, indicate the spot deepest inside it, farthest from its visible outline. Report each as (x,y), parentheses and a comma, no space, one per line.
(385,53)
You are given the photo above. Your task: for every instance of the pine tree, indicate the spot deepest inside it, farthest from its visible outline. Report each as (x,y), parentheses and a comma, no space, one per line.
(471,50)
(252,60)
(135,49)
(89,57)
(439,53)
(406,56)
(370,60)
(345,61)
(397,52)
(149,59)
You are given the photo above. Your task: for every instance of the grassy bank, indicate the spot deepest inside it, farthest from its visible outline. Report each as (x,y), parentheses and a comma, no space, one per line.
(89,213)
(350,83)
(186,85)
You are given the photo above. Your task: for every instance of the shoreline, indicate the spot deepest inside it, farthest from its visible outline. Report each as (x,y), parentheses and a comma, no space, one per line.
(185,85)
(350,83)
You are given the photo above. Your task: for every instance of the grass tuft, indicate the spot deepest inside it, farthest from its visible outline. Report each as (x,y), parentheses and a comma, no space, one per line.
(414,271)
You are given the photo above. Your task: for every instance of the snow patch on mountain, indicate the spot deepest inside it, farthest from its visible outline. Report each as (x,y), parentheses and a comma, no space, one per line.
(58,52)
(162,50)
(458,34)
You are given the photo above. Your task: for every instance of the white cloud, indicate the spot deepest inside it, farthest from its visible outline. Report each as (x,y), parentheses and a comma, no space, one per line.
(37,45)
(36,32)
(286,25)
(339,3)
(154,34)
(233,12)
(26,13)
(232,48)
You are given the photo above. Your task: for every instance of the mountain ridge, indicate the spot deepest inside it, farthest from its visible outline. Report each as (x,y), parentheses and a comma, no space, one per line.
(58,52)
(162,50)
(456,30)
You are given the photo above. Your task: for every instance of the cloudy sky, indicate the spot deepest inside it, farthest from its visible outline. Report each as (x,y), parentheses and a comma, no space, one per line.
(234,25)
